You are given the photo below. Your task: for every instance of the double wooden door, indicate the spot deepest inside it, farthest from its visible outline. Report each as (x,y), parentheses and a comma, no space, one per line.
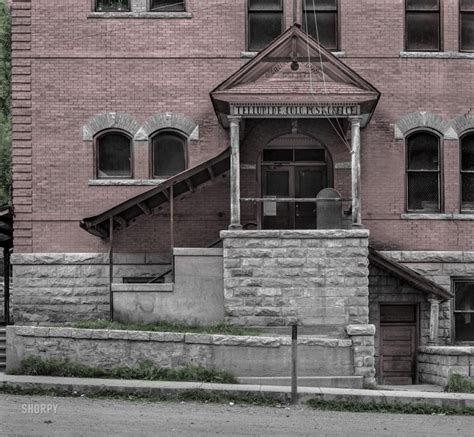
(292,181)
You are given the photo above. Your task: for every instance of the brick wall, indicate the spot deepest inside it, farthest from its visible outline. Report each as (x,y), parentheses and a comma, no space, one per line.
(68,66)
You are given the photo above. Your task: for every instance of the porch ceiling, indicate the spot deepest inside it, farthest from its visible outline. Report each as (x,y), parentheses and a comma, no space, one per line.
(408,275)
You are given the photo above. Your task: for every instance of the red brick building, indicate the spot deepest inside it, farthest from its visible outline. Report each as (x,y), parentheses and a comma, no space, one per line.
(120,107)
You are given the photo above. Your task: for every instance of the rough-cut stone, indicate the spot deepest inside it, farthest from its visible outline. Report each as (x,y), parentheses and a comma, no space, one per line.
(360,330)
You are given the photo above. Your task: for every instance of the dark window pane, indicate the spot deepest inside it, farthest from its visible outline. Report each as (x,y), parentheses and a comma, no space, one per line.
(467,5)
(263,28)
(467,191)
(464,296)
(265,5)
(113,156)
(168,154)
(167,6)
(423,152)
(426,5)
(464,326)
(423,192)
(112,6)
(467,31)
(277,183)
(310,183)
(467,153)
(320,5)
(326,29)
(310,155)
(422,31)
(284,155)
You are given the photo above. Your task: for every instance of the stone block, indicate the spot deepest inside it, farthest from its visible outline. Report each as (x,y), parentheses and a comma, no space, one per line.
(175,337)
(198,339)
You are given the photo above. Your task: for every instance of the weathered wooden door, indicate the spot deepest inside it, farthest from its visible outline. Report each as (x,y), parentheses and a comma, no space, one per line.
(398,341)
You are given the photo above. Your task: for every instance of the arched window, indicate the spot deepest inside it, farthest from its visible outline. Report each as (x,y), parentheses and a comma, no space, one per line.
(168,154)
(423,172)
(114,155)
(467,172)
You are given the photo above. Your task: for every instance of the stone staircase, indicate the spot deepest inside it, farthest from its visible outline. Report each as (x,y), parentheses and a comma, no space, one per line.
(3,348)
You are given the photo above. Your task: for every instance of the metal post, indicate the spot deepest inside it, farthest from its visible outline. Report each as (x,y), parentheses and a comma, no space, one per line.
(294,363)
(235,173)
(172,219)
(6,290)
(111,266)
(356,178)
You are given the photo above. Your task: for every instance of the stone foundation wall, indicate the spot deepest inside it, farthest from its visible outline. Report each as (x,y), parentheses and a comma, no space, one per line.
(240,355)
(437,363)
(315,278)
(2,300)
(63,288)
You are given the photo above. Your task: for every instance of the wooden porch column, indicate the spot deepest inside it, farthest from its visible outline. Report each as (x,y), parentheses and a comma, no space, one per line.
(434,320)
(235,173)
(355,166)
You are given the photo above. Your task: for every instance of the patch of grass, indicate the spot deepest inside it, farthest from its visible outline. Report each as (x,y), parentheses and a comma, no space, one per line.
(221,328)
(460,384)
(200,396)
(145,370)
(395,408)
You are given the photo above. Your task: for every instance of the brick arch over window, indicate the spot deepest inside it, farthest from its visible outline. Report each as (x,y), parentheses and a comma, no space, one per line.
(109,120)
(463,124)
(420,120)
(170,120)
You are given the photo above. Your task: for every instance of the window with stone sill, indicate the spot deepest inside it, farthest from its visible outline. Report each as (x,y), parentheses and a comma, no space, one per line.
(463,310)
(467,172)
(423,172)
(112,6)
(466,23)
(167,6)
(320,20)
(422,25)
(264,22)
(113,152)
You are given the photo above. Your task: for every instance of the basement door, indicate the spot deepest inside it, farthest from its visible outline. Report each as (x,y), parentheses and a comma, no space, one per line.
(398,329)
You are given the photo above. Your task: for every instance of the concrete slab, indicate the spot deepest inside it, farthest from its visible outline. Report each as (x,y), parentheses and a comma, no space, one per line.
(89,386)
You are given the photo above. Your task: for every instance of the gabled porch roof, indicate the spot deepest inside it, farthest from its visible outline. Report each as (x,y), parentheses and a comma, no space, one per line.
(295,70)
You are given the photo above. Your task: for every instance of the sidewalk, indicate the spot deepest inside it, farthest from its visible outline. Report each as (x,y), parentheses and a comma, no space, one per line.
(89,386)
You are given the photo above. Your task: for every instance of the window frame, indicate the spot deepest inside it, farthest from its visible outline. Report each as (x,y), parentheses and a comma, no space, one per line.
(454,281)
(148,8)
(461,13)
(439,171)
(440,27)
(97,137)
(94,7)
(247,23)
(338,24)
(461,172)
(177,132)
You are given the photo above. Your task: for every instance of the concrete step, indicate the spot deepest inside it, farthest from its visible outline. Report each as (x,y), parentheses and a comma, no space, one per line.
(305,381)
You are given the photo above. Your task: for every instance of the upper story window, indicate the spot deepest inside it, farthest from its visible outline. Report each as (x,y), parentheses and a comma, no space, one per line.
(112,5)
(422,25)
(467,172)
(464,310)
(423,172)
(265,22)
(467,25)
(168,154)
(320,20)
(167,6)
(113,155)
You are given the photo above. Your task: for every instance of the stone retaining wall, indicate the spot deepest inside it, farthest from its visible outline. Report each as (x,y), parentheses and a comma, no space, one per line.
(63,288)
(315,278)
(240,355)
(437,363)
(2,300)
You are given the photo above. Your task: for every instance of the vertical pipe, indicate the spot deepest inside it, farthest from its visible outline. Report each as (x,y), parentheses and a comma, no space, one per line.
(294,363)
(6,290)
(295,12)
(111,266)
(172,219)
(235,173)
(356,178)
